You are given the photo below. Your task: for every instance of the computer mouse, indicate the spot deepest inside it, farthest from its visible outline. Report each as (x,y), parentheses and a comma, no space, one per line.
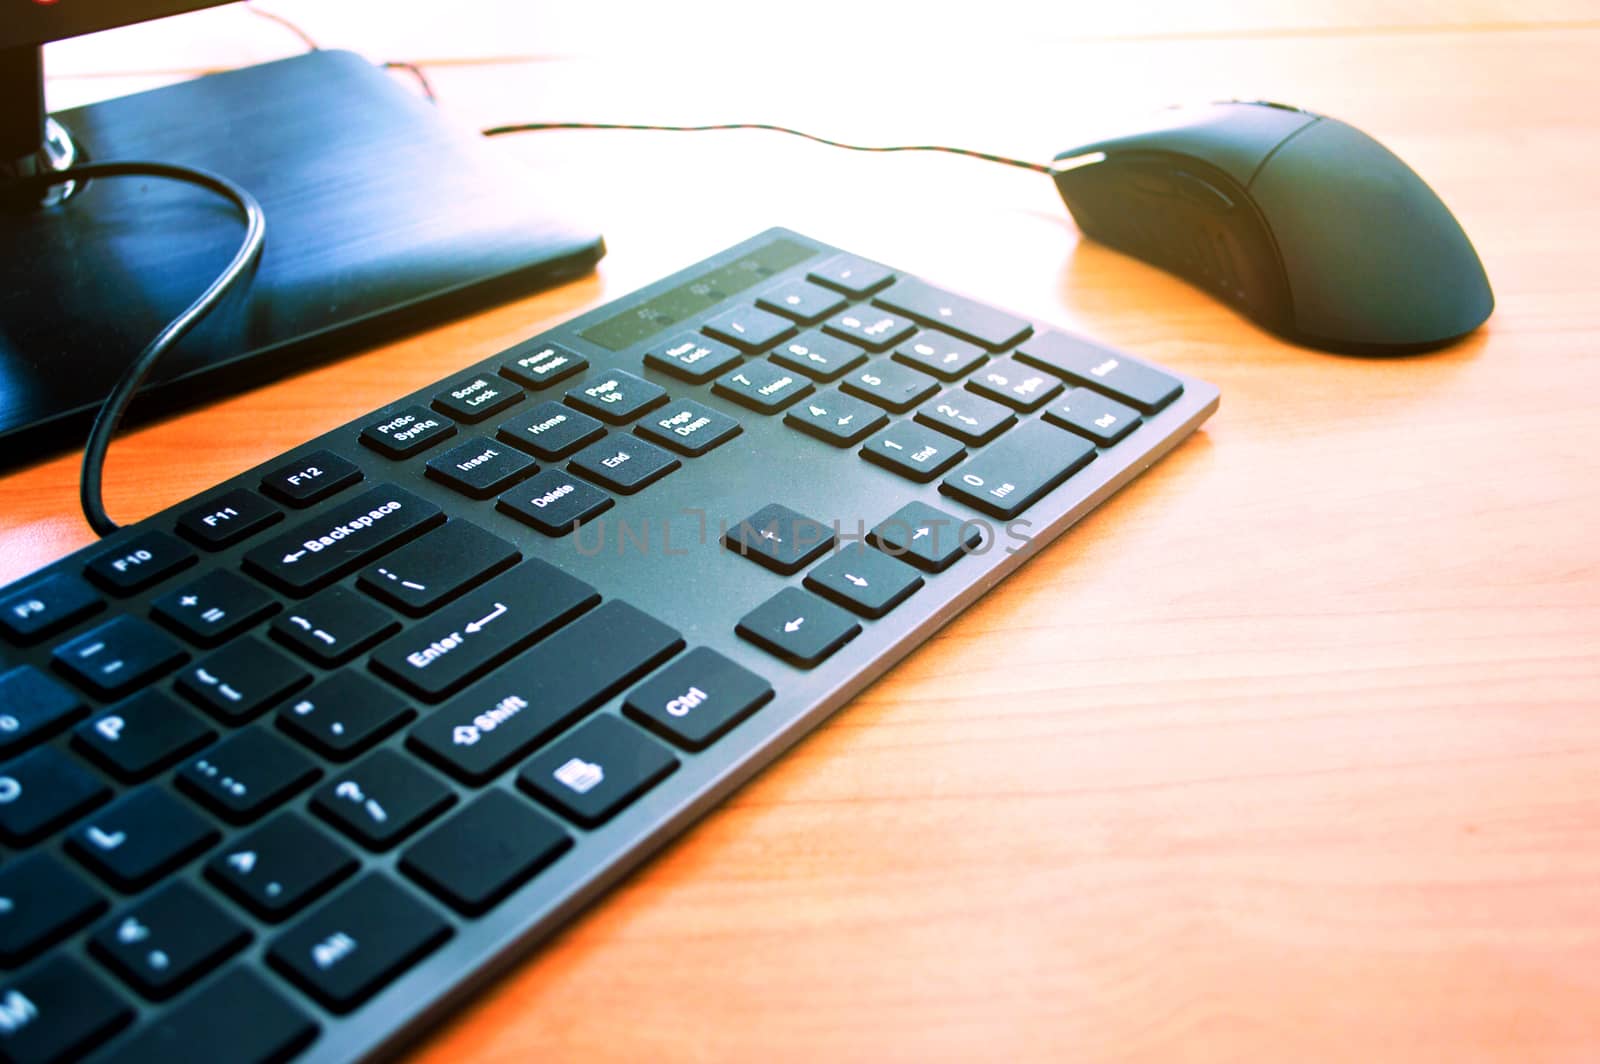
(1304,223)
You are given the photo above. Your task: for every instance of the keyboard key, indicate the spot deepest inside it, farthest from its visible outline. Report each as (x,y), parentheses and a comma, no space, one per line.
(966,318)
(836,418)
(311,478)
(42,790)
(382,800)
(484,852)
(749,329)
(239,1011)
(43,902)
(870,327)
(118,656)
(333,627)
(1088,413)
(141,837)
(32,708)
(943,356)
(544,690)
(1014,384)
(347,950)
(890,385)
(214,607)
(146,559)
(804,302)
(142,735)
(445,652)
(228,518)
(407,432)
(436,568)
(57,1012)
(969,418)
(480,468)
(692,358)
(697,699)
(551,430)
(622,464)
(591,773)
(927,537)
(780,538)
(1143,387)
(340,540)
(819,356)
(240,680)
(1017,472)
(688,427)
(474,398)
(47,606)
(852,275)
(864,581)
(616,397)
(344,714)
(247,774)
(762,386)
(539,365)
(168,940)
(280,867)
(913,451)
(798,627)
(555,502)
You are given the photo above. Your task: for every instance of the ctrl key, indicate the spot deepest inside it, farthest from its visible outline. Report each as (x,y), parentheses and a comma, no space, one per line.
(57,1012)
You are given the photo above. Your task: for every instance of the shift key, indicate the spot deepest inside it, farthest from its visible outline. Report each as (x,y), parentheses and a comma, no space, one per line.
(321,550)
(435,657)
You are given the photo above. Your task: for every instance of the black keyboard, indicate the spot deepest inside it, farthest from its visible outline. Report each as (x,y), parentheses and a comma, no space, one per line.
(290,766)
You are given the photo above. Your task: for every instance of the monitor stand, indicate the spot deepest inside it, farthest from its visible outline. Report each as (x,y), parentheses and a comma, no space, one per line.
(382,217)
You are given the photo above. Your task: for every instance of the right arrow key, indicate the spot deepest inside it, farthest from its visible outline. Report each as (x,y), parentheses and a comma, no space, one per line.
(798,627)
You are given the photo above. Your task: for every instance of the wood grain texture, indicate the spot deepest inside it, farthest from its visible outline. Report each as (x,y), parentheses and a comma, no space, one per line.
(1289,752)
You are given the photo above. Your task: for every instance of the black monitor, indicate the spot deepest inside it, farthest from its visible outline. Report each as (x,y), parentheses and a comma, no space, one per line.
(381,217)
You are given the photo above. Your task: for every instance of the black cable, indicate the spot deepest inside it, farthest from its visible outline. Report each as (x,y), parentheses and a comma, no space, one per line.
(415,71)
(534,127)
(305,38)
(116,402)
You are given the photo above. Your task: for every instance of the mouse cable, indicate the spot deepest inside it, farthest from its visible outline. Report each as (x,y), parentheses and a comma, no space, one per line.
(116,402)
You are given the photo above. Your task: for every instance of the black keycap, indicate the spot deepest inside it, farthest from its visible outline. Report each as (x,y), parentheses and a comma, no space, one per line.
(943,356)
(33,707)
(539,365)
(247,774)
(240,680)
(779,538)
(551,430)
(836,418)
(311,478)
(819,356)
(339,540)
(1142,387)
(1017,472)
(213,607)
(47,606)
(382,800)
(749,329)
(430,571)
(762,386)
(140,736)
(333,627)
(368,934)
(969,418)
(140,838)
(407,432)
(1018,386)
(804,302)
(616,396)
(41,902)
(688,427)
(595,770)
(1088,413)
(555,502)
(137,563)
(239,1011)
(474,398)
(890,385)
(443,653)
(692,357)
(697,699)
(927,537)
(344,714)
(484,852)
(479,467)
(966,318)
(280,867)
(798,627)
(913,451)
(42,790)
(873,329)
(865,581)
(168,940)
(852,275)
(118,656)
(57,1012)
(228,518)
(542,691)
(623,464)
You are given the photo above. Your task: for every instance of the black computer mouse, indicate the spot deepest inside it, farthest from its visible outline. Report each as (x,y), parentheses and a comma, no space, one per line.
(1308,225)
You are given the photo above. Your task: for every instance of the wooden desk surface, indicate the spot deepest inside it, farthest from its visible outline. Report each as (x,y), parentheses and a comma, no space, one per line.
(1289,752)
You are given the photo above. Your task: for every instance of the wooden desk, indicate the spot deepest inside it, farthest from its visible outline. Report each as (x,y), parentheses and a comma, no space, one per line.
(1290,752)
